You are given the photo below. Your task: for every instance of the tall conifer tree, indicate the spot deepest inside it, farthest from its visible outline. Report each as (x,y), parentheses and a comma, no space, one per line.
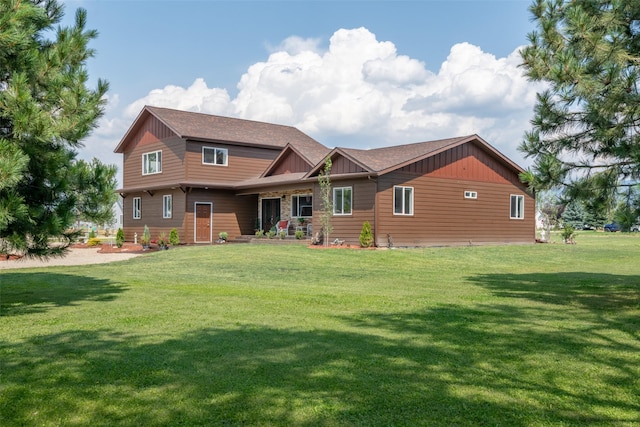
(46,109)
(585,130)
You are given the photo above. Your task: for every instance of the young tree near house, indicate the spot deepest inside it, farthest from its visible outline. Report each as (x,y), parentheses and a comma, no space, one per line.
(584,138)
(46,110)
(326,211)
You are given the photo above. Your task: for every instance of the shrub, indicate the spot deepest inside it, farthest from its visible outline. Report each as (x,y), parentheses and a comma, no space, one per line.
(366,237)
(162,240)
(568,233)
(223,235)
(271,234)
(92,234)
(94,241)
(259,234)
(119,238)
(146,235)
(174,239)
(282,234)
(299,234)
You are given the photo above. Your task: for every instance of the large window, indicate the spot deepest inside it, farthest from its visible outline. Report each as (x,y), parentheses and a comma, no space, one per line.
(137,208)
(301,205)
(152,163)
(167,202)
(215,156)
(342,198)
(517,206)
(403,200)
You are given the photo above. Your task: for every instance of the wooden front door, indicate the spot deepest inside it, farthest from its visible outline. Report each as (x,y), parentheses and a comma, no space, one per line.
(270,213)
(203,222)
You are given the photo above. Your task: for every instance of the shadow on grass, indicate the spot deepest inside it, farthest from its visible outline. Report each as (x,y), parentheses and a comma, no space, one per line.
(593,291)
(445,366)
(26,293)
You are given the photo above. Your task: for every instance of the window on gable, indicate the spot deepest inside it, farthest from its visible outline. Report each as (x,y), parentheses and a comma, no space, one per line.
(302,205)
(470,194)
(215,156)
(402,200)
(342,199)
(137,205)
(167,205)
(517,206)
(152,163)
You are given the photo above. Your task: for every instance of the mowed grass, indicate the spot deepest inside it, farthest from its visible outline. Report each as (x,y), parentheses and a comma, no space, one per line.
(237,334)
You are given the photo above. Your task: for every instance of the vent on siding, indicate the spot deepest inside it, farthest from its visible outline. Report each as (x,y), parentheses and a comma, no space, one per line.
(470,194)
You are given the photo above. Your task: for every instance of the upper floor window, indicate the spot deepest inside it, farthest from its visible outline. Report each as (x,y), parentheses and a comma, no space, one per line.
(215,156)
(517,206)
(301,205)
(342,198)
(152,162)
(402,200)
(137,211)
(167,202)
(470,194)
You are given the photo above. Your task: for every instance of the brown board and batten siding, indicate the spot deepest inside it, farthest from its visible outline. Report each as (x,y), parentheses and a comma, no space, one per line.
(153,135)
(442,215)
(231,213)
(348,227)
(291,164)
(242,162)
(152,214)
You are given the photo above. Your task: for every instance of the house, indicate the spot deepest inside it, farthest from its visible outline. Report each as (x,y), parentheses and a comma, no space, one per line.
(203,174)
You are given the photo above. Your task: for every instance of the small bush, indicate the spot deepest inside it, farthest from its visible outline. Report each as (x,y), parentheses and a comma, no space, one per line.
(366,237)
(94,241)
(282,234)
(259,234)
(119,238)
(299,234)
(223,235)
(146,235)
(568,233)
(271,234)
(174,239)
(92,234)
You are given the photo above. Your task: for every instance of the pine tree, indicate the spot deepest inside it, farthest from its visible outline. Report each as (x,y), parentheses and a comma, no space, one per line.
(584,136)
(46,109)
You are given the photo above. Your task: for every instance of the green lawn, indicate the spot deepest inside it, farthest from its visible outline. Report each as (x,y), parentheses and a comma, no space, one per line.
(241,334)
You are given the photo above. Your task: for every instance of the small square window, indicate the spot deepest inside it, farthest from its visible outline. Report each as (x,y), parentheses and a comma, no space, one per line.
(402,200)
(470,194)
(342,198)
(152,163)
(215,156)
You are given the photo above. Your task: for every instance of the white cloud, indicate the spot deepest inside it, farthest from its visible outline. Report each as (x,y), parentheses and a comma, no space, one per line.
(359,92)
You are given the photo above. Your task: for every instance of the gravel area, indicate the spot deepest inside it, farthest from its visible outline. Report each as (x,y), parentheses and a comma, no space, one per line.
(75,257)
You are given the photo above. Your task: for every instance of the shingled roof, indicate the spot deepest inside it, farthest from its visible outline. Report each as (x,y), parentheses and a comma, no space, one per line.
(208,127)
(379,161)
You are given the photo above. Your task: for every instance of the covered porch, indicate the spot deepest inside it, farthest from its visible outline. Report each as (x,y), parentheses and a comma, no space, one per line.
(290,209)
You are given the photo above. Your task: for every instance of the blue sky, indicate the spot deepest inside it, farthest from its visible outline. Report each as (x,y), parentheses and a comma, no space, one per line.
(349,73)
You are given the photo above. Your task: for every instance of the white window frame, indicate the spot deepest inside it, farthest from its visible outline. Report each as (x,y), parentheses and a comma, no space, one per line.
(518,212)
(167,206)
(215,156)
(296,204)
(468,194)
(146,163)
(404,201)
(340,210)
(137,207)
